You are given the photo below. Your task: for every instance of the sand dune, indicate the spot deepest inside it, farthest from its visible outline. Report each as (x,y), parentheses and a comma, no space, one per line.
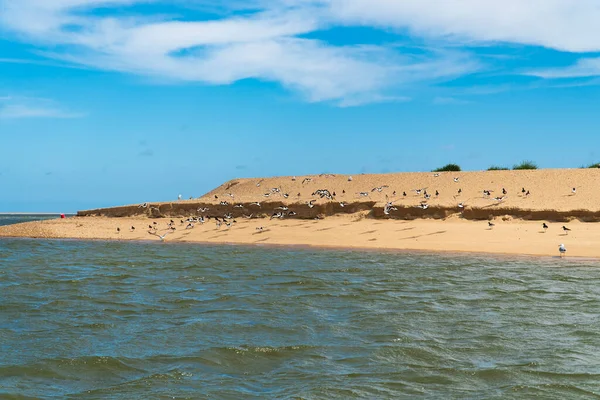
(361,222)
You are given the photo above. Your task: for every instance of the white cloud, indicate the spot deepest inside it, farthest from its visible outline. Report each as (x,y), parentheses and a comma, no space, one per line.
(268,41)
(24,107)
(583,68)
(558,24)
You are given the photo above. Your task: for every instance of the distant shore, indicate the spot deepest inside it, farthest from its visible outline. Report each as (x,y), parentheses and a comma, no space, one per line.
(449,211)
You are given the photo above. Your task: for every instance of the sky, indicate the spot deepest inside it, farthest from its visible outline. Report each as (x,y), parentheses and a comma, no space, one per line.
(110,102)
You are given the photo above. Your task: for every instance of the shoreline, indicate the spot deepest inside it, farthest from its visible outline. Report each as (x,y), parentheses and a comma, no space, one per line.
(523,238)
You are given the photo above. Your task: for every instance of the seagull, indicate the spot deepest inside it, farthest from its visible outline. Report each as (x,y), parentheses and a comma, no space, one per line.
(527,194)
(499,199)
(248,216)
(566,230)
(189,226)
(260,228)
(267,194)
(461,205)
(145,205)
(436,175)
(562,249)
(118,230)
(238,206)
(343,204)
(404,194)
(574,190)
(545,226)
(203,209)
(364,194)
(424,206)
(491,224)
(388,207)
(311,203)
(284,208)
(286,195)
(306,180)
(179,197)
(455,179)
(161,237)
(293,178)
(459,191)
(132,229)
(379,188)
(291,214)
(227,216)
(224,203)
(418,191)
(256,203)
(523,190)
(437,193)
(504,192)
(349,179)
(259,182)
(277,215)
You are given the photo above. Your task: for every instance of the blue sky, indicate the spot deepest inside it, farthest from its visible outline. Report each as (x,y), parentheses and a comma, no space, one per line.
(105,102)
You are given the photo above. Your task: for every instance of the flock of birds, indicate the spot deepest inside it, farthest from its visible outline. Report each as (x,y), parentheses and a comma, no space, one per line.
(283,211)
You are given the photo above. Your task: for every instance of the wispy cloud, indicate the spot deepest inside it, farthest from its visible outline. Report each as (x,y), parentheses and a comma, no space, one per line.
(268,40)
(449,101)
(23,107)
(583,68)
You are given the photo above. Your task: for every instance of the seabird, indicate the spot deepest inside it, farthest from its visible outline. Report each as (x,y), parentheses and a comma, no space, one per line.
(267,194)
(291,214)
(306,180)
(424,206)
(461,205)
(277,215)
(364,193)
(179,197)
(260,228)
(189,226)
(132,229)
(459,191)
(286,195)
(566,230)
(118,230)
(504,191)
(404,194)
(238,206)
(491,224)
(379,188)
(499,199)
(545,226)
(145,205)
(311,203)
(574,190)
(284,208)
(349,179)
(224,203)
(455,179)
(293,178)
(161,237)
(248,216)
(527,194)
(523,190)
(437,193)
(255,203)
(259,182)
(562,249)
(203,209)
(343,204)
(436,175)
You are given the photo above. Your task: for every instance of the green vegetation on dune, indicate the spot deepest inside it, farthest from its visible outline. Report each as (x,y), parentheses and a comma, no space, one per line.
(448,167)
(526,165)
(496,168)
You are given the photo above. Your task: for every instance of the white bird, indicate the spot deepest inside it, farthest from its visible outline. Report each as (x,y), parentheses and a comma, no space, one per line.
(574,190)
(562,249)
(203,209)
(311,203)
(436,175)
(256,203)
(179,197)
(455,179)
(349,179)
(343,204)
(161,237)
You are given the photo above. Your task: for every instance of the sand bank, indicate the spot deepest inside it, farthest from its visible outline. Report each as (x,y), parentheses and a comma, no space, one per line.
(441,212)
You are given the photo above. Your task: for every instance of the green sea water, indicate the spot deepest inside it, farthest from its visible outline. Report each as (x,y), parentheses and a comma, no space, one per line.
(112,320)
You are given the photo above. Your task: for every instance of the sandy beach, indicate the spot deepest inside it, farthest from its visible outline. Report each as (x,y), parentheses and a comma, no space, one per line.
(438,212)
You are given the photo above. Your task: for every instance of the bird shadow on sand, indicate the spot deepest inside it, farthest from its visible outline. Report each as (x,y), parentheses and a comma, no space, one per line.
(372,240)
(427,234)
(323,229)
(261,232)
(367,232)
(261,240)
(405,229)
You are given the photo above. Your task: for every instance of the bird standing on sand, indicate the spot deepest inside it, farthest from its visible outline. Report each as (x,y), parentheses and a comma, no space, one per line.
(132,229)
(562,249)
(118,230)
(459,191)
(574,190)
(311,204)
(456,179)
(179,197)
(566,230)
(545,226)
(491,224)
(504,192)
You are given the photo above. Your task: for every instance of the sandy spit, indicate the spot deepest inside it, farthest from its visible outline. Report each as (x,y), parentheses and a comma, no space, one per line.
(348,231)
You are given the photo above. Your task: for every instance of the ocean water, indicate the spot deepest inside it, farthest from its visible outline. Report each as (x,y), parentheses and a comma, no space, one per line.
(9,219)
(113,320)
